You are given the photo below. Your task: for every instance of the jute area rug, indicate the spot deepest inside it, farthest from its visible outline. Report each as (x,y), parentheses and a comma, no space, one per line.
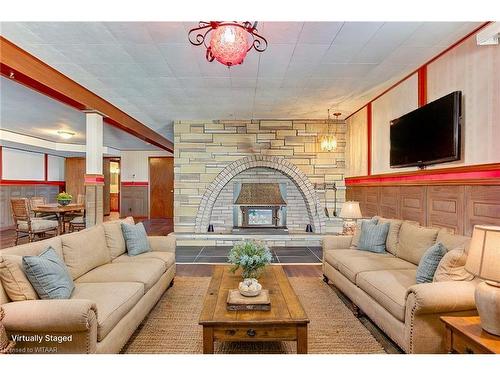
(172,326)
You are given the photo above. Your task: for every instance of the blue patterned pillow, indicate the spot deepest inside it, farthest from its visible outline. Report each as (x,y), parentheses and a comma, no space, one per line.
(136,238)
(49,275)
(373,236)
(429,263)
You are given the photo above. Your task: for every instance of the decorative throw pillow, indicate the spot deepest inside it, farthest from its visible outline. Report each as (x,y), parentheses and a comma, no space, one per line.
(14,280)
(429,263)
(357,232)
(414,241)
(452,266)
(136,239)
(393,236)
(373,237)
(49,275)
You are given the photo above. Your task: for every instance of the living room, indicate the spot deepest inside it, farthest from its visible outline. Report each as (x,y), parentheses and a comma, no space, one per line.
(294,184)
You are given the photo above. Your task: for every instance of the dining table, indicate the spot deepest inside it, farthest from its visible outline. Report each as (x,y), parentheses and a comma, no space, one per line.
(60,211)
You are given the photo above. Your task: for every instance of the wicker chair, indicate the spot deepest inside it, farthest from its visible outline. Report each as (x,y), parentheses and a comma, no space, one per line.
(77,223)
(28,226)
(40,201)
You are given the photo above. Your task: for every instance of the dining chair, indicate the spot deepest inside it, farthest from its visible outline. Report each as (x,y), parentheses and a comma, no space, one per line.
(28,226)
(77,223)
(40,201)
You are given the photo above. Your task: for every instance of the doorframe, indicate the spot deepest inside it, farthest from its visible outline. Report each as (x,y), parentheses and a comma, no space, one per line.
(117,159)
(149,182)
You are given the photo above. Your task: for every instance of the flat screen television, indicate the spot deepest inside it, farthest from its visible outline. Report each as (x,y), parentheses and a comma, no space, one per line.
(428,135)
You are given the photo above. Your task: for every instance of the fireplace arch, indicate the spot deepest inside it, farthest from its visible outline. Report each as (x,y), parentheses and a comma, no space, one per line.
(305,187)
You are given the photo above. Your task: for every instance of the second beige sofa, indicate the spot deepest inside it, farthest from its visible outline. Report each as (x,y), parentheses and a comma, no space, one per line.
(113,292)
(384,285)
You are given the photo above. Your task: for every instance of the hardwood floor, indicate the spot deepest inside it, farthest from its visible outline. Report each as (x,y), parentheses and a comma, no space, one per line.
(204,270)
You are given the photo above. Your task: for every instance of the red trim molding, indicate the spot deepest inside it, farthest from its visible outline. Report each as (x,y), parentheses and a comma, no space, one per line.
(1,163)
(422,86)
(46,167)
(485,174)
(369,136)
(31,182)
(135,183)
(94,179)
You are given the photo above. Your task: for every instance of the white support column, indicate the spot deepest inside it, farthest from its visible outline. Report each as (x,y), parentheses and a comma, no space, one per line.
(94,178)
(94,144)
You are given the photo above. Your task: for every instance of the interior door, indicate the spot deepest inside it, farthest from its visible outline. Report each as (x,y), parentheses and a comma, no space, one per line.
(161,189)
(105,192)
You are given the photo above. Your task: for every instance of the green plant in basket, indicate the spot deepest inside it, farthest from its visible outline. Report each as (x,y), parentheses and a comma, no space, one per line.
(251,256)
(64,198)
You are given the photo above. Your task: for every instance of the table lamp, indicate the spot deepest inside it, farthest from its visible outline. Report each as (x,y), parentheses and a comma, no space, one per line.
(350,212)
(483,260)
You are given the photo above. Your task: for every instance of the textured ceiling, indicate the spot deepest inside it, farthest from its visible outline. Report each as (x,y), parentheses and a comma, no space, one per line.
(150,70)
(28,112)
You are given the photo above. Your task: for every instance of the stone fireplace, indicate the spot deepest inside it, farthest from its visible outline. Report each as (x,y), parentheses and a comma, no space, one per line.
(259,205)
(214,158)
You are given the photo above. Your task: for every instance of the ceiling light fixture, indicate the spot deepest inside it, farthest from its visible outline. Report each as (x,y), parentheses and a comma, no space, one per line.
(229,42)
(328,141)
(64,134)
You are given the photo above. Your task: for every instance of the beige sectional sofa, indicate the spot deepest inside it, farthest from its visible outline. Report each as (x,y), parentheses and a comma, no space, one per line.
(113,292)
(384,285)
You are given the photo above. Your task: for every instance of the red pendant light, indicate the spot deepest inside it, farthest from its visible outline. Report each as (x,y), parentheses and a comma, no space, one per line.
(229,45)
(229,42)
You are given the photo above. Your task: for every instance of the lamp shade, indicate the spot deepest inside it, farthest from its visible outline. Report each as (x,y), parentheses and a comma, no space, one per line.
(350,210)
(483,259)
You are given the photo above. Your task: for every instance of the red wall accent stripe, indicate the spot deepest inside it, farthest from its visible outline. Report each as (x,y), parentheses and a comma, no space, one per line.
(422,86)
(1,163)
(31,182)
(46,167)
(94,179)
(135,183)
(369,135)
(444,176)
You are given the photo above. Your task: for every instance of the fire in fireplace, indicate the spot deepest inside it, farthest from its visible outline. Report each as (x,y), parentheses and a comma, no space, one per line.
(261,205)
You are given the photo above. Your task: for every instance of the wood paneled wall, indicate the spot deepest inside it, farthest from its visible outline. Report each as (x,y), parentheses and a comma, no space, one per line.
(455,207)
(75,176)
(134,201)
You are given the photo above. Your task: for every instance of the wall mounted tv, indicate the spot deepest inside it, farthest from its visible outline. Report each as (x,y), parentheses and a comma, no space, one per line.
(428,135)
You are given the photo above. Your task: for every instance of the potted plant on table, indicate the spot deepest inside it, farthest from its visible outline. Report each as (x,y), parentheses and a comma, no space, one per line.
(64,198)
(252,257)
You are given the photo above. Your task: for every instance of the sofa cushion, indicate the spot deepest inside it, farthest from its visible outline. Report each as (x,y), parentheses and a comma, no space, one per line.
(429,263)
(85,250)
(136,238)
(48,275)
(391,243)
(414,241)
(351,262)
(388,288)
(166,257)
(113,300)
(14,280)
(38,225)
(373,237)
(114,236)
(452,266)
(145,272)
(357,230)
(452,241)
(35,248)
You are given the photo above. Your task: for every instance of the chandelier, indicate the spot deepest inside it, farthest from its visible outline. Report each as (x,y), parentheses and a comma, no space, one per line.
(328,141)
(229,42)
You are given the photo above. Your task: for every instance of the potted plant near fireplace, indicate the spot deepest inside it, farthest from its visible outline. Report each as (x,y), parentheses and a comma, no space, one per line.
(252,257)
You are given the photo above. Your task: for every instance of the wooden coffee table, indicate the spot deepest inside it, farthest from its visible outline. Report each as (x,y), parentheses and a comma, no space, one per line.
(286,321)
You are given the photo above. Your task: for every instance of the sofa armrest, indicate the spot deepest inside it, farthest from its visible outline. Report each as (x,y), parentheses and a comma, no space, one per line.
(56,315)
(163,243)
(336,242)
(441,297)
